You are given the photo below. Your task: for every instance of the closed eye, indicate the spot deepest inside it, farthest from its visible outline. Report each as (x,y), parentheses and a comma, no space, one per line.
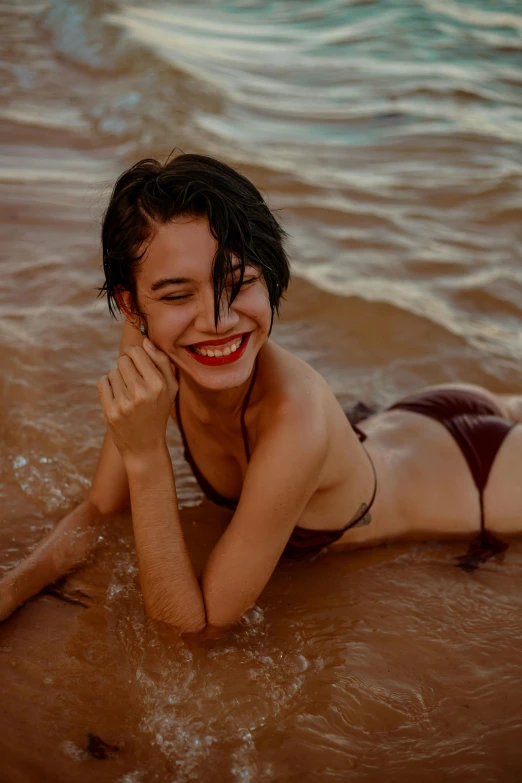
(246,281)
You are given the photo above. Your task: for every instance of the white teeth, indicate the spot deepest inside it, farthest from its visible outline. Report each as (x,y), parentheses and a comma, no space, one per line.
(217,351)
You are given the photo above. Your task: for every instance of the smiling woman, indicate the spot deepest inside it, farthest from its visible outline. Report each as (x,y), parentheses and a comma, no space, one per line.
(195,260)
(150,195)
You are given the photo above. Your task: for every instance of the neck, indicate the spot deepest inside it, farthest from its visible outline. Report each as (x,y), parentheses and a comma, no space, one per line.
(208,404)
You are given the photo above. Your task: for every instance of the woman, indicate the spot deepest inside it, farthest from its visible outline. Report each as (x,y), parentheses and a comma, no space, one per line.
(195,260)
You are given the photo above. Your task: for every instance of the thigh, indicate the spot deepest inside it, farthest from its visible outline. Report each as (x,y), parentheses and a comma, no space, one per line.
(503,492)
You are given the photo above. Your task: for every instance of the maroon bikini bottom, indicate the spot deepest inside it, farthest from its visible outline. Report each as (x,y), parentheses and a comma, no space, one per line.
(479,428)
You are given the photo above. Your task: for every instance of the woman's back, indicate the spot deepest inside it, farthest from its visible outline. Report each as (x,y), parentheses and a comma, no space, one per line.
(438,487)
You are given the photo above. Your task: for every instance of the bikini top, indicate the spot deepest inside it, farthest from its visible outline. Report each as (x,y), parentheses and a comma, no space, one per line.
(302,540)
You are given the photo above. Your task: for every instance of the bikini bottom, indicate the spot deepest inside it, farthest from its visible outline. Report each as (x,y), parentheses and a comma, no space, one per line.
(479,428)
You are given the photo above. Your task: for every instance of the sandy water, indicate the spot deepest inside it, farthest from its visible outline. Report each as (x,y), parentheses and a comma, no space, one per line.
(388,136)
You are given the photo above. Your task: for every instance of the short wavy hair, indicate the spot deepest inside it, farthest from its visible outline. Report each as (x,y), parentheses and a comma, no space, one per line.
(150,194)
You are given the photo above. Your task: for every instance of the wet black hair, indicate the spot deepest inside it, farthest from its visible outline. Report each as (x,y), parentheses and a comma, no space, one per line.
(150,194)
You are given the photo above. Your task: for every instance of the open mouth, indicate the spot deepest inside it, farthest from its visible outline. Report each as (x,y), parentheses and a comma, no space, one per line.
(217,355)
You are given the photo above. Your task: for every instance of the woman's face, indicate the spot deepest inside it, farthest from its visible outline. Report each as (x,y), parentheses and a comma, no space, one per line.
(175,291)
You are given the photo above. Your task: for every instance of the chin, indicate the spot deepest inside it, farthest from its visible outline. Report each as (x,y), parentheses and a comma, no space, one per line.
(224,382)
(219,379)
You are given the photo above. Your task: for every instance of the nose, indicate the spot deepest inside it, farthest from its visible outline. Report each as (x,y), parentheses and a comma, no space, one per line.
(204,321)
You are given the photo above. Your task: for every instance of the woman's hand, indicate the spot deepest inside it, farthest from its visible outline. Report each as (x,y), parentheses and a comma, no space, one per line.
(137,398)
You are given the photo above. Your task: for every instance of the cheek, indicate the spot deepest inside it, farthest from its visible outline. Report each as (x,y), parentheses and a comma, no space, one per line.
(256,304)
(168,323)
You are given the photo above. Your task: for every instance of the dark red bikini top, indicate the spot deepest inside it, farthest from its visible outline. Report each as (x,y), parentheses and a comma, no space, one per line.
(303,540)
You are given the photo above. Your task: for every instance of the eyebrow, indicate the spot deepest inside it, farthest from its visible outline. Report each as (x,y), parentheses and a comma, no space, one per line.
(165,281)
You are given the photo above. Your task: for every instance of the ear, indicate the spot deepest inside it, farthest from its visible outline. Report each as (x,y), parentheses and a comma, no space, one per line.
(124,301)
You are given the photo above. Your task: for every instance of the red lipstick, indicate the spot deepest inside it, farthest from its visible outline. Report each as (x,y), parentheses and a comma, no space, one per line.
(218,361)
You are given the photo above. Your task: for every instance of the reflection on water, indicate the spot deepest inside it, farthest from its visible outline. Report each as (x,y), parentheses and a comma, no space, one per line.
(388,134)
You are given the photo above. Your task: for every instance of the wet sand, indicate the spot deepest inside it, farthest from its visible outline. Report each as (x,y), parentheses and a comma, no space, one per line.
(369,664)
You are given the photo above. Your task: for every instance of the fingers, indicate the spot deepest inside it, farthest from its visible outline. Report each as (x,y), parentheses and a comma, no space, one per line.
(106,395)
(118,385)
(104,389)
(133,379)
(163,363)
(140,370)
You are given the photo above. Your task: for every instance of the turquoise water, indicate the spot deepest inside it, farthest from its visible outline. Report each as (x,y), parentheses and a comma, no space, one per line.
(388,134)
(327,73)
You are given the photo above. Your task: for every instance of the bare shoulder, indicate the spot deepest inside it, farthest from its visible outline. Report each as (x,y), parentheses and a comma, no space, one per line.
(290,392)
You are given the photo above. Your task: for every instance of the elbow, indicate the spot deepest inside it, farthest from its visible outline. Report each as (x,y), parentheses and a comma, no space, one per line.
(190,624)
(221,617)
(182,626)
(223,611)
(221,621)
(100,507)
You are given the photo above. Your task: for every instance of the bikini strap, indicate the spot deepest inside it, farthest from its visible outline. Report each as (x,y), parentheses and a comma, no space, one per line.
(360,434)
(178,411)
(363,514)
(244,430)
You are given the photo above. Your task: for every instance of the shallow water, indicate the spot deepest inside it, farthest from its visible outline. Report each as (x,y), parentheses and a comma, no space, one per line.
(388,134)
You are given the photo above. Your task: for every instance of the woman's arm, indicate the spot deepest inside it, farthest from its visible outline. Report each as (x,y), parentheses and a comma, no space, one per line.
(136,400)
(110,487)
(65,548)
(283,473)
(170,588)
(75,537)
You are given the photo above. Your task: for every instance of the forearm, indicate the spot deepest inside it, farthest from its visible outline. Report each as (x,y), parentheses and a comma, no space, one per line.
(63,549)
(171,591)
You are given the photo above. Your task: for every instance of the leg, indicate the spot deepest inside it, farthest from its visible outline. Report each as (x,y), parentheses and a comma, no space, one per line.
(513,404)
(503,492)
